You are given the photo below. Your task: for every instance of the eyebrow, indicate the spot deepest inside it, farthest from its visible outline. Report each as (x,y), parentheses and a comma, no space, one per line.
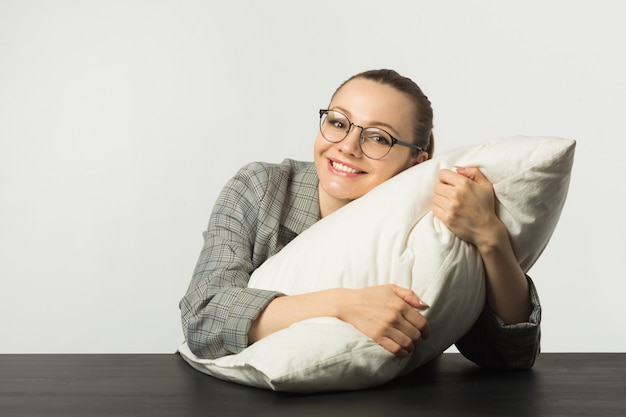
(372,123)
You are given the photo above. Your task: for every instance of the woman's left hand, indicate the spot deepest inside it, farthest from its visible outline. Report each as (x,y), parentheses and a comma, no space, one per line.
(465,202)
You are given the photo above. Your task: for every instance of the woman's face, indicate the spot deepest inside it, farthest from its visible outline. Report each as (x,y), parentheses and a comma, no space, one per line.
(344,172)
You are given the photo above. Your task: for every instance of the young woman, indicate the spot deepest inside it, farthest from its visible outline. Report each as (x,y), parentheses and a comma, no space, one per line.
(377,124)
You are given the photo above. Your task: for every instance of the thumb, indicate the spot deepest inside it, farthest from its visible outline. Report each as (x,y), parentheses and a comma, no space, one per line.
(474,174)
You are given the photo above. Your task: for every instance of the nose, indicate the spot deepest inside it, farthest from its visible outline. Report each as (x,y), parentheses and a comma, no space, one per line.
(351,144)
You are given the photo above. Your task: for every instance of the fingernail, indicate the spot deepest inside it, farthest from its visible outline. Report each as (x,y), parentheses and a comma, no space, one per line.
(423,304)
(458,168)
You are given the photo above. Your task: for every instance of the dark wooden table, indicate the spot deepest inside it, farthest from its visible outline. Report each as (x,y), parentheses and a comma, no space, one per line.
(592,384)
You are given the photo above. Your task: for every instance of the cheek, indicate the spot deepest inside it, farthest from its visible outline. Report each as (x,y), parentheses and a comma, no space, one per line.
(392,168)
(320,145)
(318,151)
(404,163)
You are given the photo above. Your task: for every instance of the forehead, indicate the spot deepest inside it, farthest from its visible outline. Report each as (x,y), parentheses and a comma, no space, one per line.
(368,103)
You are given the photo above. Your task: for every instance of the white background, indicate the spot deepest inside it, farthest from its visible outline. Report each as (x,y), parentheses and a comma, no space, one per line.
(120,121)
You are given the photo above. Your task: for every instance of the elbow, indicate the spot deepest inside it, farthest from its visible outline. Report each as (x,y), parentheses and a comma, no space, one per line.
(199,341)
(521,360)
(198,348)
(528,362)
(198,338)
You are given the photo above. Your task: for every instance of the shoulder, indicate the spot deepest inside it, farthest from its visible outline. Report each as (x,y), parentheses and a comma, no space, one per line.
(269,191)
(269,196)
(264,170)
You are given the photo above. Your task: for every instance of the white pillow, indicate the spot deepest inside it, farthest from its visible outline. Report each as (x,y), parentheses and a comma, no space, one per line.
(391,236)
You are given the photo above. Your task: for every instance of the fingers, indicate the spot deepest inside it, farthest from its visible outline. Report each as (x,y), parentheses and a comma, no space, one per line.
(465,193)
(451,187)
(449,177)
(417,322)
(465,202)
(401,336)
(390,315)
(473,173)
(398,343)
(410,297)
(407,327)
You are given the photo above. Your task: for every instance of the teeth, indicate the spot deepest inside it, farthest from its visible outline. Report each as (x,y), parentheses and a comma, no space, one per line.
(342,167)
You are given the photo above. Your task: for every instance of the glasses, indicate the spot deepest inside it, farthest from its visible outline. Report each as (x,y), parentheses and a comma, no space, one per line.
(375,143)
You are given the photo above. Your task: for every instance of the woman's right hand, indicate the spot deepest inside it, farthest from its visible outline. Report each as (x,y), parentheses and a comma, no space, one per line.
(386,313)
(389,315)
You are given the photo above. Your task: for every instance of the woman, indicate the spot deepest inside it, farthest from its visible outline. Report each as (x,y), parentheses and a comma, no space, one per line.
(377,124)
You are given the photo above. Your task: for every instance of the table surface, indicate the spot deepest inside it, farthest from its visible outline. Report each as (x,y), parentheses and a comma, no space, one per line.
(590,384)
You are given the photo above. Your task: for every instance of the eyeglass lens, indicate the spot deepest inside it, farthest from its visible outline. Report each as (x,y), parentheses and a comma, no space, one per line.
(335,126)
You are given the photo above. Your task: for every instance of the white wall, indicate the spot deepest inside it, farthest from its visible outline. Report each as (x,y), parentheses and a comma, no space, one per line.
(121,120)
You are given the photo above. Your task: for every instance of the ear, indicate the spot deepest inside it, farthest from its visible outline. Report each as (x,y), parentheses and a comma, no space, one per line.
(421,157)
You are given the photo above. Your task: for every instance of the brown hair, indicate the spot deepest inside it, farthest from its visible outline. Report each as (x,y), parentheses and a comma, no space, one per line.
(423,126)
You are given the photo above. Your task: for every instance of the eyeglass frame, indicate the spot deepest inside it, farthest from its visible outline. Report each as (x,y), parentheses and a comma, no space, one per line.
(394,141)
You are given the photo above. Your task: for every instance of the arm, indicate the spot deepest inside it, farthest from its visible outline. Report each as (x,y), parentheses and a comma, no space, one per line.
(491,343)
(465,203)
(386,313)
(218,308)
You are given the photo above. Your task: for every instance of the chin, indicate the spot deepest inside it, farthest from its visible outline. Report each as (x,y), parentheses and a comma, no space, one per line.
(348,196)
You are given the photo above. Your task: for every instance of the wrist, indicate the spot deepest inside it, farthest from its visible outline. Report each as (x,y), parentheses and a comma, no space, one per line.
(339,301)
(494,240)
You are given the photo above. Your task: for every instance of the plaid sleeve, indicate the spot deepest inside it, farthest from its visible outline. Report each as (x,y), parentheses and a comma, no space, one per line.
(491,343)
(218,308)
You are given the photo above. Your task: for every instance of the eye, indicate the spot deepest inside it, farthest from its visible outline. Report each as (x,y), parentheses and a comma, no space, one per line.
(376,136)
(339,124)
(337,121)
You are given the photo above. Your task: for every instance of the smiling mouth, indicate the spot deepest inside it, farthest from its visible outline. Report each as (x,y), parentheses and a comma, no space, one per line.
(343,168)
